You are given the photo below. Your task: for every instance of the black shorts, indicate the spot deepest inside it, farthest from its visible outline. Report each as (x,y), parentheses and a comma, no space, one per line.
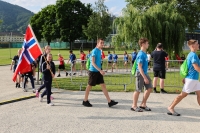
(83,62)
(95,78)
(133,61)
(61,67)
(109,62)
(160,74)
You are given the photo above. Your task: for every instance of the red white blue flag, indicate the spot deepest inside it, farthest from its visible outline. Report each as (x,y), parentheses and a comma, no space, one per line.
(30,52)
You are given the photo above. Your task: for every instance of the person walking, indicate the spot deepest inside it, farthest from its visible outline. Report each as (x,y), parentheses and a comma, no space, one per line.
(61,65)
(83,62)
(134,55)
(110,60)
(159,67)
(115,57)
(72,59)
(142,77)
(48,70)
(126,61)
(96,75)
(14,66)
(191,81)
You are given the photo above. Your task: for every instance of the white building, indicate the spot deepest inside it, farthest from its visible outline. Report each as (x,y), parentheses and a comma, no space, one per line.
(11,37)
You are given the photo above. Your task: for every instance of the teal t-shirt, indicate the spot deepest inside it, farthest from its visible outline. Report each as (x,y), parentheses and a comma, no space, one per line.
(192,58)
(96,53)
(142,59)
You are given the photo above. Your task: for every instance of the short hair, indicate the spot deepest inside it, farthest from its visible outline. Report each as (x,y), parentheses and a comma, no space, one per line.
(142,40)
(159,45)
(134,49)
(191,42)
(100,39)
(109,52)
(81,51)
(70,51)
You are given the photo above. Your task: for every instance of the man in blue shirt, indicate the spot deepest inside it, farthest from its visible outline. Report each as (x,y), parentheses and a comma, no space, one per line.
(115,57)
(72,59)
(134,55)
(142,77)
(109,64)
(88,55)
(191,81)
(96,75)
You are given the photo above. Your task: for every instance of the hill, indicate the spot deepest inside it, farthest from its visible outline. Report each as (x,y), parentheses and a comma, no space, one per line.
(15,18)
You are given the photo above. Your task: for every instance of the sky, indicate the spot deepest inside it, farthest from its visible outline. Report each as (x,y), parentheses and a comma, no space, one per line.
(114,6)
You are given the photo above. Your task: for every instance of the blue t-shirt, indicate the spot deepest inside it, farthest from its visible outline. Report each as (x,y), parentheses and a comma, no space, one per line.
(192,58)
(72,57)
(134,55)
(142,59)
(126,57)
(115,57)
(88,56)
(96,53)
(110,57)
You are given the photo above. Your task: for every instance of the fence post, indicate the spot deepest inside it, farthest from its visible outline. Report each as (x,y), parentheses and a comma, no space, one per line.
(124,87)
(80,86)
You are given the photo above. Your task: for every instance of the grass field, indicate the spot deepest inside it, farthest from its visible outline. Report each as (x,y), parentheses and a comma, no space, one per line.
(7,54)
(115,82)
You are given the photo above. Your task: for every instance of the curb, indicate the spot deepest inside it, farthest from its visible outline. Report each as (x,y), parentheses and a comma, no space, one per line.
(17,99)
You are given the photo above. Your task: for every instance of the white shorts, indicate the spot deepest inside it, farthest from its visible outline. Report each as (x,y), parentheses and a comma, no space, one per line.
(191,85)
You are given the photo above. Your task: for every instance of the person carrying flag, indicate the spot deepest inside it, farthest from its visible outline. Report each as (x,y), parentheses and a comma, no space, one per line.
(48,70)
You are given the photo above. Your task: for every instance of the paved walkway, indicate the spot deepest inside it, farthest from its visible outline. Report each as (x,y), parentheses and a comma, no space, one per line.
(69,116)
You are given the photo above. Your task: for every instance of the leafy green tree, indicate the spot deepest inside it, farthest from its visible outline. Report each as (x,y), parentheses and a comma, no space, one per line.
(36,23)
(99,23)
(71,15)
(45,25)
(159,23)
(187,8)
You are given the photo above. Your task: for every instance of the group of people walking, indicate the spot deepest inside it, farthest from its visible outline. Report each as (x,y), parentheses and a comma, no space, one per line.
(95,72)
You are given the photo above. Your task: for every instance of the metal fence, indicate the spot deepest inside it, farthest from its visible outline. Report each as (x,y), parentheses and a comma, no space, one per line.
(121,76)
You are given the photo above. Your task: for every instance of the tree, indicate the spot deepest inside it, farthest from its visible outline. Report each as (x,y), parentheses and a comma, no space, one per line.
(159,23)
(99,23)
(44,24)
(71,15)
(36,23)
(187,8)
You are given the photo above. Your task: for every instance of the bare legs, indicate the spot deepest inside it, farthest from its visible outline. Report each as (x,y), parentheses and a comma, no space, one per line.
(144,100)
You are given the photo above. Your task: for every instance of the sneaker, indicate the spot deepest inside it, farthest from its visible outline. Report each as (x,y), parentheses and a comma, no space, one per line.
(40,98)
(33,90)
(163,91)
(37,93)
(58,75)
(66,73)
(74,74)
(155,91)
(112,103)
(86,103)
(50,104)
(16,85)
(24,90)
(80,74)
(69,74)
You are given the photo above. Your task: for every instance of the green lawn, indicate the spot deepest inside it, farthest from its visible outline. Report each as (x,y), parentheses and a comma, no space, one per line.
(116,82)
(7,54)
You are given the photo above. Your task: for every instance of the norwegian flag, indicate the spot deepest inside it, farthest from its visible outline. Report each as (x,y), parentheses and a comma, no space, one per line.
(30,52)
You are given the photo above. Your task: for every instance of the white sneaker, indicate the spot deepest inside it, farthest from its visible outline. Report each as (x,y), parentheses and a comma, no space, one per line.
(51,104)
(80,74)
(40,98)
